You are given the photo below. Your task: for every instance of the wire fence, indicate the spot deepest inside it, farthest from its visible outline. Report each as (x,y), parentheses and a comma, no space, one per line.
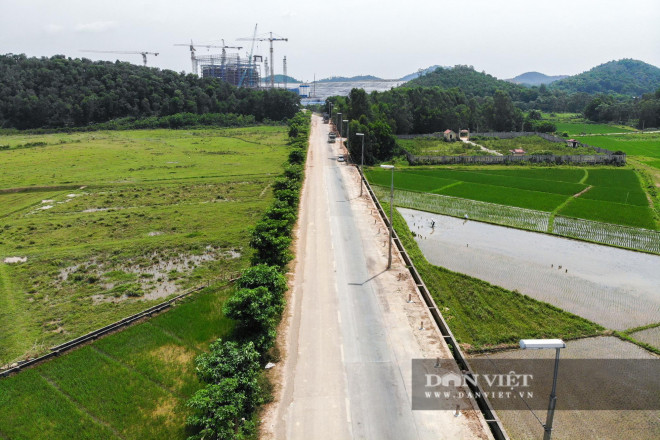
(627,237)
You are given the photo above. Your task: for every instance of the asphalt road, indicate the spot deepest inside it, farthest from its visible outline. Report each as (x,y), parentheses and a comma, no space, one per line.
(347,373)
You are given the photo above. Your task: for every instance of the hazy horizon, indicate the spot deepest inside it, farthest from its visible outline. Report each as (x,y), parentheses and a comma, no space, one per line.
(343,38)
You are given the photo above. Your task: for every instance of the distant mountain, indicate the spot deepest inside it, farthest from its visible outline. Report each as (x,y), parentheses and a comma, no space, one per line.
(467,79)
(535,79)
(421,72)
(352,78)
(626,77)
(279,78)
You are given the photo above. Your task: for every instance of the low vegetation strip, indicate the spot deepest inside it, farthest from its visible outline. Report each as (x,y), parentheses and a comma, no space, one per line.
(235,384)
(645,240)
(483,316)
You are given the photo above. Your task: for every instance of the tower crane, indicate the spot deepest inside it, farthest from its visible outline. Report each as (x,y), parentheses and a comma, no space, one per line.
(125,52)
(193,58)
(270,39)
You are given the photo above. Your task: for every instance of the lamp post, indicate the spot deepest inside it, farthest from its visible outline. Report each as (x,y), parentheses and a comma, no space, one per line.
(389,257)
(540,344)
(348,129)
(362,163)
(339,122)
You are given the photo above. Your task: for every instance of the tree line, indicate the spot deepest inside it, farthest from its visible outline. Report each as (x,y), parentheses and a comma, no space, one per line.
(380,116)
(232,369)
(64,92)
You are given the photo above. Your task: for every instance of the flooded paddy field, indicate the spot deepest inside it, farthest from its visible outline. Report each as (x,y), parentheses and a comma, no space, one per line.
(616,288)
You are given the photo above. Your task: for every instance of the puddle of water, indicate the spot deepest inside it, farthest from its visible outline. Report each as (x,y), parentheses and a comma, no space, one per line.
(614,287)
(13,260)
(154,278)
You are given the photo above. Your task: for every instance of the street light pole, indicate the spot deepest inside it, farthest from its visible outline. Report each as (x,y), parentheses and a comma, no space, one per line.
(348,129)
(362,165)
(389,257)
(557,344)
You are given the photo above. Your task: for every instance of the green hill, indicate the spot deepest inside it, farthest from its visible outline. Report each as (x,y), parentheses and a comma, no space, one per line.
(626,77)
(63,92)
(279,78)
(465,78)
(535,79)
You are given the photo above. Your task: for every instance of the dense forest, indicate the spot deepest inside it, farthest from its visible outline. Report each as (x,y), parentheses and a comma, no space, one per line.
(65,92)
(404,110)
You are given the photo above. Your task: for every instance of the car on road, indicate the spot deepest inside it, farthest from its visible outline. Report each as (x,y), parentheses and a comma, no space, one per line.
(341,158)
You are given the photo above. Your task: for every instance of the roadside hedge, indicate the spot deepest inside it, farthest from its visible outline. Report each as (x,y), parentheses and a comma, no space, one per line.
(226,407)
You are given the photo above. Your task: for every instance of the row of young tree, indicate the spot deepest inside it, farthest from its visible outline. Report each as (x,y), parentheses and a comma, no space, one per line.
(232,369)
(64,92)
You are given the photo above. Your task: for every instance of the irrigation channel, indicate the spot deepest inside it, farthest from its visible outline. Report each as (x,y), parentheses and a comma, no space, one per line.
(613,287)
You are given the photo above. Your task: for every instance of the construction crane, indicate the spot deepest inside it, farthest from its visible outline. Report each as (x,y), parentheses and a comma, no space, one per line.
(251,59)
(126,52)
(193,58)
(270,39)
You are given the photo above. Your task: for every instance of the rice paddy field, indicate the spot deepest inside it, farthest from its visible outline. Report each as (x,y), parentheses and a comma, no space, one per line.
(97,226)
(645,146)
(599,194)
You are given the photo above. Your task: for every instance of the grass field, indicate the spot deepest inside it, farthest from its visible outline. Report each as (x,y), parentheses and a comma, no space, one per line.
(577,128)
(429,146)
(532,145)
(484,316)
(613,196)
(575,124)
(130,385)
(114,222)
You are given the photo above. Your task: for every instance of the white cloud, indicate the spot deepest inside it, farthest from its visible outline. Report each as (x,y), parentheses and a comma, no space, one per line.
(96,26)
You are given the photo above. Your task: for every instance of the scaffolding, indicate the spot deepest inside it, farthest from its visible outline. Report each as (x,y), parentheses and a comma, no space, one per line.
(230,68)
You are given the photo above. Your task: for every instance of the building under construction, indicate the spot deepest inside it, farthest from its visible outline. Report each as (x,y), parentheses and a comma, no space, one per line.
(231,68)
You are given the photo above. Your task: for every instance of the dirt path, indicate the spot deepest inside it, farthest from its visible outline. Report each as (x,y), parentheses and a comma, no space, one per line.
(496,153)
(350,333)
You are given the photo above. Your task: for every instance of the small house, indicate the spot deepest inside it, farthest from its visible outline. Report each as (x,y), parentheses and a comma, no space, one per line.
(572,143)
(517,152)
(450,136)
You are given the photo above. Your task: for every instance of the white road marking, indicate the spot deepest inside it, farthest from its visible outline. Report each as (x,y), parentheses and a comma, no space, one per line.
(341,351)
(338,317)
(348,410)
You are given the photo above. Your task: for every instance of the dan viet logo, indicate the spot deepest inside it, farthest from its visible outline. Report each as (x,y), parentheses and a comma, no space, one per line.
(499,386)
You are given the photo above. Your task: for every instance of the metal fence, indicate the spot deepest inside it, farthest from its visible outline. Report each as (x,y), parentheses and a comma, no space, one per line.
(585,159)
